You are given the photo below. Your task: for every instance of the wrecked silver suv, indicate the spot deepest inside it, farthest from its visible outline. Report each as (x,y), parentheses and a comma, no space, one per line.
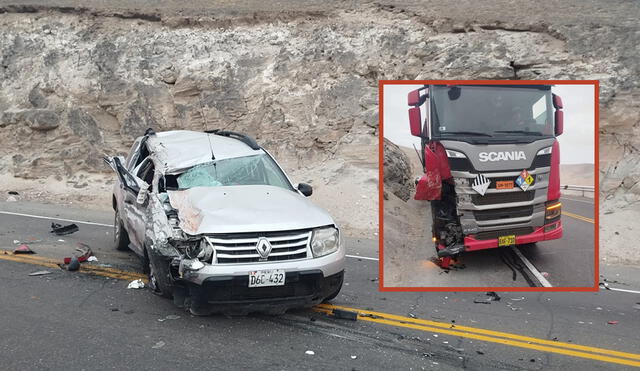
(220,227)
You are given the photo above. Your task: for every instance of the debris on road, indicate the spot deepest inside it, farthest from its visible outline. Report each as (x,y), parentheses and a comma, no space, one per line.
(490,296)
(345,314)
(169,317)
(39,273)
(61,230)
(92,259)
(136,284)
(85,253)
(612,322)
(15,242)
(23,249)
(13,193)
(74,264)
(354,357)
(158,345)
(309,352)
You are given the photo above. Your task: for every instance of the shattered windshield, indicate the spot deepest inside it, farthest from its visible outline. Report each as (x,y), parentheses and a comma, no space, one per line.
(248,170)
(491,111)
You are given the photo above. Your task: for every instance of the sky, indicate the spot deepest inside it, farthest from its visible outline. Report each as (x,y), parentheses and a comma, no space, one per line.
(576,142)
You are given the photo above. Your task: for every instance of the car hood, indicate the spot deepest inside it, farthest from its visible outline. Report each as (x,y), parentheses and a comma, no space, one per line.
(249,208)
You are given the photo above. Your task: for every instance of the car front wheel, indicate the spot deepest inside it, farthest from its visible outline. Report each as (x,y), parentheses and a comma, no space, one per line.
(120,235)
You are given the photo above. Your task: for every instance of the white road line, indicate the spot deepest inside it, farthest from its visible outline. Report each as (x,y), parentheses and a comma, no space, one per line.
(361,257)
(621,290)
(573,199)
(531,268)
(111,226)
(56,218)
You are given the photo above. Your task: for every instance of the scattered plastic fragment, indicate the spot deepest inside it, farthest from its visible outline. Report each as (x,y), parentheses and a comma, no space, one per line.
(23,249)
(85,253)
(354,357)
(172,316)
(345,314)
(309,352)
(39,273)
(15,242)
(61,230)
(517,299)
(60,240)
(92,259)
(158,345)
(136,284)
(612,322)
(74,264)
(479,352)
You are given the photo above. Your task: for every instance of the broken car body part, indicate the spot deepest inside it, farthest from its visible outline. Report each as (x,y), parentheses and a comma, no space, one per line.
(492,177)
(62,230)
(221,227)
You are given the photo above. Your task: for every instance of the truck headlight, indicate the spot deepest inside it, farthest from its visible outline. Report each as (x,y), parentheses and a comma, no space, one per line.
(553,210)
(325,241)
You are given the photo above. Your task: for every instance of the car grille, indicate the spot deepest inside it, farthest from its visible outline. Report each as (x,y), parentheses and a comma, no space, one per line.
(241,247)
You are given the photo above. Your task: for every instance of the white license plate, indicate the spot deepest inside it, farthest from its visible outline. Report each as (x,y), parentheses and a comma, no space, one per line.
(267,277)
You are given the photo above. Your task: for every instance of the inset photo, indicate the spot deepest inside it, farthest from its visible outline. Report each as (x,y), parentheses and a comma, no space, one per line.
(489,185)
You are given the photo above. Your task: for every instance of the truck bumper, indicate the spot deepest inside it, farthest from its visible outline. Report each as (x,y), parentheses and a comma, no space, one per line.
(551,231)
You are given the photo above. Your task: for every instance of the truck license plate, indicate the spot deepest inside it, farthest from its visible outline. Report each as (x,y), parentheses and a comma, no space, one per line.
(267,277)
(507,240)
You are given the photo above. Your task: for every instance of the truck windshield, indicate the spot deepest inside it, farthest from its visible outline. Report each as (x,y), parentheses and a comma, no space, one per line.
(248,170)
(491,112)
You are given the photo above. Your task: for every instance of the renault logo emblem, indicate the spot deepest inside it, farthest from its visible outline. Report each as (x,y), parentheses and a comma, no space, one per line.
(263,247)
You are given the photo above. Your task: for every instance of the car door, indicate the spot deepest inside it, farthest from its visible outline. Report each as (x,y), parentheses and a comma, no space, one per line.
(133,206)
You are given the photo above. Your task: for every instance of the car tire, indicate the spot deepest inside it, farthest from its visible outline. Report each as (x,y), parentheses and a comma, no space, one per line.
(159,282)
(120,235)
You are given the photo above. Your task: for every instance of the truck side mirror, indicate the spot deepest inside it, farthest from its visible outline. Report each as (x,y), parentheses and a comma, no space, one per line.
(415,121)
(557,102)
(559,122)
(559,115)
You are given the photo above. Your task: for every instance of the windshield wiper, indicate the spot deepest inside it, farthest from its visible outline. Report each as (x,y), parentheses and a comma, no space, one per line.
(467,133)
(518,132)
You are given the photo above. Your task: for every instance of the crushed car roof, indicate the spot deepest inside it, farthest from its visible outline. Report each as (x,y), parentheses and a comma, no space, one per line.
(182,149)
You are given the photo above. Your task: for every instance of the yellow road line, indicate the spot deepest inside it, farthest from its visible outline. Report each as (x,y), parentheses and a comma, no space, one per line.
(580,217)
(505,338)
(85,268)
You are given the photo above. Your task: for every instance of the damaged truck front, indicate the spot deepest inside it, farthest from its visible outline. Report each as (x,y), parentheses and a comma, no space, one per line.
(220,227)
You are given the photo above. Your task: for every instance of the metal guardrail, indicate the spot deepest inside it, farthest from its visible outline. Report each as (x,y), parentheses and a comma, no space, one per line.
(578,188)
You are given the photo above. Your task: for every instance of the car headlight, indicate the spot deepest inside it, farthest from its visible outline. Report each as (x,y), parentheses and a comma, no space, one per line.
(325,241)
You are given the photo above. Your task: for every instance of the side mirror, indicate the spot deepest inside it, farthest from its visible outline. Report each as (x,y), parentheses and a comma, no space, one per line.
(305,189)
(415,121)
(557,102)
(559,122)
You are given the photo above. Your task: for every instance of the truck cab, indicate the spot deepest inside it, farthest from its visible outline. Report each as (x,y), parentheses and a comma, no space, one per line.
(491,162)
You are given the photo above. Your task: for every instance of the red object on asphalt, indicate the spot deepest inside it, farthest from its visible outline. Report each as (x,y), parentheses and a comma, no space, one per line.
(23,249)
(613,322)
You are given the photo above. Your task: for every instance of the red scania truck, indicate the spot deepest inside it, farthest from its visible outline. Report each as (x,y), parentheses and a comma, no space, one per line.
(492,164)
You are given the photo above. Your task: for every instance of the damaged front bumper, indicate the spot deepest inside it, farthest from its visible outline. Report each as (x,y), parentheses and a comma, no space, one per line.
(231,294)
(224,288)
(551,231)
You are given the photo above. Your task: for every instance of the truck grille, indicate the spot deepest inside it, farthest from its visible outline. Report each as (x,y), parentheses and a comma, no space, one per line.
(501,198)
(508,213)
(241,247)
(490,235)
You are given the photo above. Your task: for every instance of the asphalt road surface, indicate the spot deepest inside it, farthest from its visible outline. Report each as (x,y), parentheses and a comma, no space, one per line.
(90,320)
(567,262)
